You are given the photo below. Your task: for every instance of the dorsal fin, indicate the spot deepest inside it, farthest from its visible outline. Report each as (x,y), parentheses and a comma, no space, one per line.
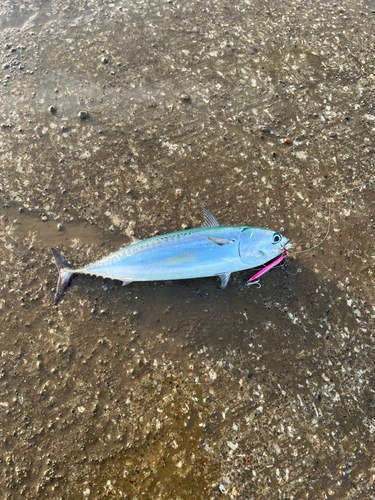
(209,219)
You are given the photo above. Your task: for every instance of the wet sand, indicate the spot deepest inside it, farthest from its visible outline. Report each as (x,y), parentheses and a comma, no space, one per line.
(126,118)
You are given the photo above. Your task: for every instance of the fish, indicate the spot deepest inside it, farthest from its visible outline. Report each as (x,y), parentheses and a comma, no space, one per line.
(210,250)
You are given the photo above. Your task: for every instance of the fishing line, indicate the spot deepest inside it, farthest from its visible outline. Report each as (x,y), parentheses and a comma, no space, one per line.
(320,242)
(254,281)
(363,186)
(299,270)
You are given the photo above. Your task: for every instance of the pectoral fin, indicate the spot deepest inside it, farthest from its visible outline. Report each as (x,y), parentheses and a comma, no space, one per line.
(224,279)
(209,219)
(220,241)
(135,240)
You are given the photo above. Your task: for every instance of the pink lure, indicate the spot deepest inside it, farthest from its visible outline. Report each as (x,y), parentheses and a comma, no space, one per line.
(270,266)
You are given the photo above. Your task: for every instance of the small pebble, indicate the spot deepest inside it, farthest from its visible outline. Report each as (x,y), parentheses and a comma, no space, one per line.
(44,217)
(264,128)
(7,46)
(21,210)
(83,115)
(104,60)
(60,227)
(52,109)
(185,98)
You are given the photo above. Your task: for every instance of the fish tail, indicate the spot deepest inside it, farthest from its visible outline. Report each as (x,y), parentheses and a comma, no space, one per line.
(65,273)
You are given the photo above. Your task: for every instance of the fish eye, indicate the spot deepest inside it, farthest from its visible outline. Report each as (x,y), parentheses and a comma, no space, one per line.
(276,238)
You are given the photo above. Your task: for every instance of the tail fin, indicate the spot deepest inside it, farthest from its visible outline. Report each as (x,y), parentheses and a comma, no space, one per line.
(65,273)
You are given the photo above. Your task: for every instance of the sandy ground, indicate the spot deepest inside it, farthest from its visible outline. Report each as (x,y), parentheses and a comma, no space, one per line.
(127,118)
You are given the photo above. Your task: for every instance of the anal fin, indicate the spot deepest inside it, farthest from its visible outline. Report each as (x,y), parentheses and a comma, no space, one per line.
(224,279)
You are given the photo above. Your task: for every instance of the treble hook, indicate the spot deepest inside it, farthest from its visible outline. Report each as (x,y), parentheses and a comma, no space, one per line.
(256,282)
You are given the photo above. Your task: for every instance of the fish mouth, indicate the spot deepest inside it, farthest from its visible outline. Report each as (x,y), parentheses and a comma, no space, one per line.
(284,247)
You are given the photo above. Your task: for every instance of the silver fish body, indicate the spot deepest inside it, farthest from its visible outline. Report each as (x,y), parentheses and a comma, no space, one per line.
(212,250)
